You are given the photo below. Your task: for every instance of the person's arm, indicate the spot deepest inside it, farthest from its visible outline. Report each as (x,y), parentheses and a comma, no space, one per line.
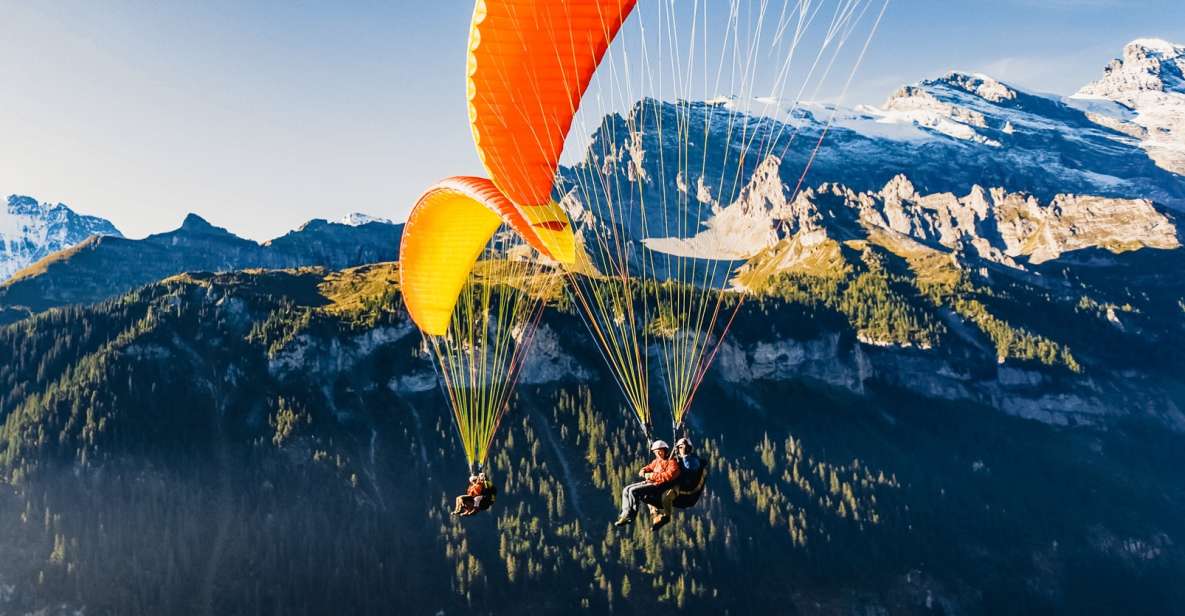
(666,472)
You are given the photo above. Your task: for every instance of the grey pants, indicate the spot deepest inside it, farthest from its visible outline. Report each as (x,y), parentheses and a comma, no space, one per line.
(633,495)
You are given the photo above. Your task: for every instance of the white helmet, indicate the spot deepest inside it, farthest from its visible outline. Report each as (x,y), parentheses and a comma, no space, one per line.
(659,445)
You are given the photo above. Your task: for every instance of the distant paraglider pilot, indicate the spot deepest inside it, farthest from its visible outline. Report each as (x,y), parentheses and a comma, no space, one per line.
(662,470)
(477,498)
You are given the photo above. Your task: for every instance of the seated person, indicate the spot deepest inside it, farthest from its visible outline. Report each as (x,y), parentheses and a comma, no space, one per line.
(661,470)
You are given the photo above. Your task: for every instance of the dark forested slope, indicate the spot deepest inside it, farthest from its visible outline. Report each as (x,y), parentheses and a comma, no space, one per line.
(275,443)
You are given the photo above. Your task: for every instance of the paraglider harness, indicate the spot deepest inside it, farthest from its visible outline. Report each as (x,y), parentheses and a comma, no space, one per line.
(689,485)
(488,494)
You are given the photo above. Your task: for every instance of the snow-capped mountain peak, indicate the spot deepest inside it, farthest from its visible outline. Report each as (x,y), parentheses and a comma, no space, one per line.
(1147,65)
(978,84)
(970,107)
(357,219)
(1148,86)
(30,230)
(1158,45)
(924,105)
(1122,136)
(1006,174)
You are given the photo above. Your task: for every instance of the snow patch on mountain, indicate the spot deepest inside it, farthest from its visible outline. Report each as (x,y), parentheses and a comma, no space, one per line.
(357,219)
(1146,89)
(30,230)
(872,121)
(922,107)
(964,106)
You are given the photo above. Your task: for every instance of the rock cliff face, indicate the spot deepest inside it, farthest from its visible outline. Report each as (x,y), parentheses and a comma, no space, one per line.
(30,231)
(992,224)
(1028,393)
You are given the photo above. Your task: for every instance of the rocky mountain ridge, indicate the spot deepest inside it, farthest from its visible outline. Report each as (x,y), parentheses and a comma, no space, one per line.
(991,224)
(102,267)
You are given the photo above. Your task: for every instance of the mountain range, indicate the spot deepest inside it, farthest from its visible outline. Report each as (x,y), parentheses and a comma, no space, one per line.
(1014,154)
(103,266)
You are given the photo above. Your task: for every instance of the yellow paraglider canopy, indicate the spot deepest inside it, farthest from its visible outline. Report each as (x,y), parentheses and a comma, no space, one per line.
(446,232)
(475,285)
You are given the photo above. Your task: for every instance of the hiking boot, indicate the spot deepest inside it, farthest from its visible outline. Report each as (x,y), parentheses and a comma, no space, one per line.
(623,521)
(659,521)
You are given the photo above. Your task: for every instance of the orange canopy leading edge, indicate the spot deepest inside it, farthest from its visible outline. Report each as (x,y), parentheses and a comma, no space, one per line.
(530,62)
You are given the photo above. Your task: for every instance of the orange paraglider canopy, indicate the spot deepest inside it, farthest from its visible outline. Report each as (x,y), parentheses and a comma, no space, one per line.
(530,62)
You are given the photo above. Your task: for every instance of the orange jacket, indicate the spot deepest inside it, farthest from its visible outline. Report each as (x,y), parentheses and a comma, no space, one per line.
(475,489)
(662,470)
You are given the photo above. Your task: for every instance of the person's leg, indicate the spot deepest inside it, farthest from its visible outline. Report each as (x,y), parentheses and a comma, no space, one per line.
(629,499)
(668,501)
(651,494)
(460,502)
(625,517)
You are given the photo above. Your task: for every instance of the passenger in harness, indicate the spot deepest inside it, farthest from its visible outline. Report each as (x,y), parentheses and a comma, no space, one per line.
(656,476)
(688,487)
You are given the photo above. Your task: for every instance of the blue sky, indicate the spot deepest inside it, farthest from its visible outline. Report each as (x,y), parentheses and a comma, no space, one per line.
(262,115)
